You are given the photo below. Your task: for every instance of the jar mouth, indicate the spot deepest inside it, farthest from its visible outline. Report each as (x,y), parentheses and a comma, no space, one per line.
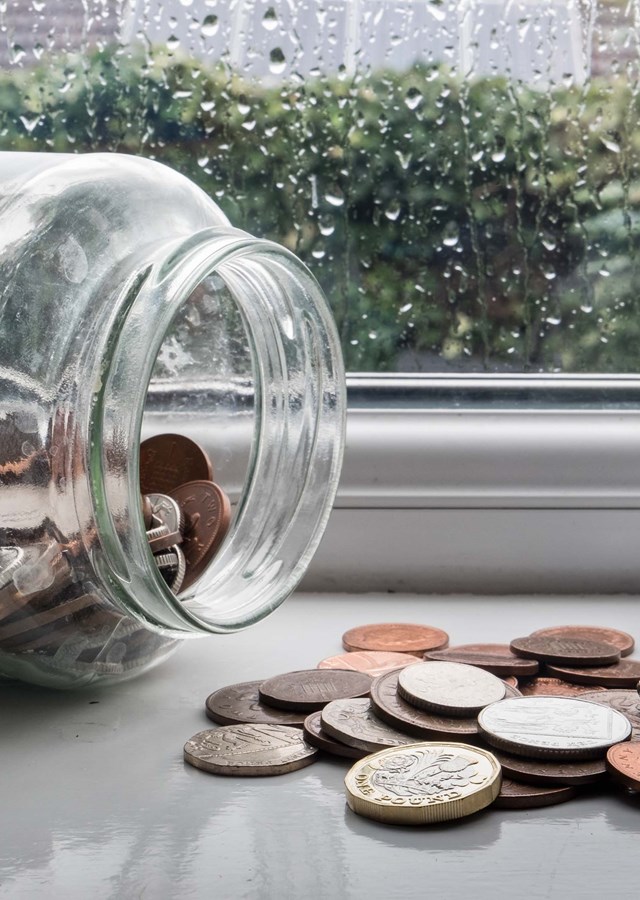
(296,445)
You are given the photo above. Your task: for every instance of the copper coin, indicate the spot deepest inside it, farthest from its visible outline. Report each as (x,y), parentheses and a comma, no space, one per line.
(624,674)
(147,512)
(514,795)
(511,680)
(373,662)
(570,651)
(237,704)
(389,706)
(625,701)
(620,639)
(554,687)
(169,460)
(249,750)
(311,689)
(207,515)
(314,735)
(550,772)
(623,764)
(495,658)
(395,637)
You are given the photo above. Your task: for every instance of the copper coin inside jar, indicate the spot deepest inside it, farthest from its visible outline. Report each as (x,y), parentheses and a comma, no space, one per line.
(207,513)
(620,639)
(169,460)
(373,662)
(623,764)
(569,651)
(395,637)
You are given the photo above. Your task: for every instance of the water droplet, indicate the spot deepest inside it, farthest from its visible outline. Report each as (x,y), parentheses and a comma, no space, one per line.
(611,145)
(451,234)
(413,98)
(30,122)
(406,307)
(277,61)
(549,241)
(335,197)
(326,227)
(434,7)
(393,212)
(270,19)
(173,42)
(210,26)
(498,155)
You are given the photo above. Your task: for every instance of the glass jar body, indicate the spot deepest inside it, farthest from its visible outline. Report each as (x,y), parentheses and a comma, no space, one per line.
(124,289)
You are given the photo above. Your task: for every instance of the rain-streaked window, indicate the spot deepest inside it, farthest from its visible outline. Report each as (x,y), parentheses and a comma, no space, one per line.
(462,176)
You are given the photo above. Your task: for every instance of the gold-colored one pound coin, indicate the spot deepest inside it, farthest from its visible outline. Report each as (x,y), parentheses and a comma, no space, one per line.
(423,783)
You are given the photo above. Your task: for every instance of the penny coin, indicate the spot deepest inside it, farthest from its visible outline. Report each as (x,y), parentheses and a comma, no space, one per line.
(554,687)
(620,639)
(553,727)
(166,514)
(169,460)
(249,750)
(624,674)
(314,735)
(551,771)
(207,514)
(147,512)
(395,637)
(238,704)
(389,706)
(311,689)
(514,795)
(624,701)
(423,783)
(569,651)
(623,764)
(353,722)
(373,662)
(495,658)
(449,688)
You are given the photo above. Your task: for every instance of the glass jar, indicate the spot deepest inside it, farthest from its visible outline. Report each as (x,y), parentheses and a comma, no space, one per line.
(129,306)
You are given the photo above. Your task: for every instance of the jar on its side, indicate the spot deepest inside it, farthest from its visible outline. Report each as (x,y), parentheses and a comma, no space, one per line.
(129,306)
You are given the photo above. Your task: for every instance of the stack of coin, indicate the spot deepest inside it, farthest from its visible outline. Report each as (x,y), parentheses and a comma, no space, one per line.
(186,513)
(446,737)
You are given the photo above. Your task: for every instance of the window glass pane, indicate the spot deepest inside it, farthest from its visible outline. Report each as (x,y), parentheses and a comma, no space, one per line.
(461,175)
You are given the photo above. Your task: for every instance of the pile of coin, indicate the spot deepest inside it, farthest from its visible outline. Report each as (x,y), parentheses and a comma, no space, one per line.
(186,513)
(52,613)
(441,732)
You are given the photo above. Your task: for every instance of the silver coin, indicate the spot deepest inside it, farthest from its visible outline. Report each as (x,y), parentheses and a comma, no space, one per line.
(173,567)
(455,689)
(249,750)
(166,511)
(10,561)
(553,727)
(354,723)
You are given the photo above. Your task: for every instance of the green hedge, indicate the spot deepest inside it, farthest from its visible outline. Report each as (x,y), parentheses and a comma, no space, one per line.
(482,224)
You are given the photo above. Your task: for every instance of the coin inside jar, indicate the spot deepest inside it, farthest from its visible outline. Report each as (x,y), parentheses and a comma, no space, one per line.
(169,460)
(353,722)
(450,688)
(423,783)
(553,727)
(311,689)
(249,750)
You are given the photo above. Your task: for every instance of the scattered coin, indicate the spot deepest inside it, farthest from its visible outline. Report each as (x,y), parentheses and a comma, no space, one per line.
(511,680)
(207,513)
(311,689)
(553,727)
(423,783)
(395,637)
(624,701)
(514,795)
(623,764)
(354,723)
(314,735)
(571,651)
(170,460)
(373,662)
(495,658)
(555,687)
(620,639)
(239,704)
(451,688)
(551,772)
(249,750)
(389,706)
(624,674)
